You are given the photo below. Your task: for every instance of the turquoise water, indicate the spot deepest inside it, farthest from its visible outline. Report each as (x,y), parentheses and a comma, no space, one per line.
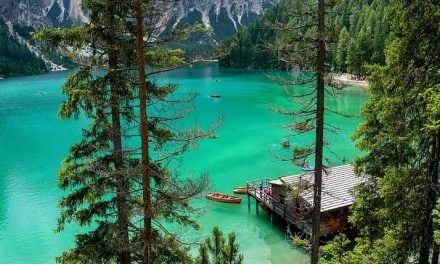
(33,141)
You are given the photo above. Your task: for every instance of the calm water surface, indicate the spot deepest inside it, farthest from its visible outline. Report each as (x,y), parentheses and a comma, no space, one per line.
(33,141)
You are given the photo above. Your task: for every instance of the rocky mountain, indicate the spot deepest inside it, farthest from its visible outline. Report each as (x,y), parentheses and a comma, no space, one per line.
(224,16)
(42,12)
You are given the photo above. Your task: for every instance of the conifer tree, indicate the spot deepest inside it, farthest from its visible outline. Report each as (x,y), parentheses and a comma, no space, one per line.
(249,47)
(305,52)
(145,159)
(394,210)
(164,196)
(94,172)
(110,169)
(341,51)
(218,250)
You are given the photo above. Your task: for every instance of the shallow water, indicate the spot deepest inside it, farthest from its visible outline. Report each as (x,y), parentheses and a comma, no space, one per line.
(33,141)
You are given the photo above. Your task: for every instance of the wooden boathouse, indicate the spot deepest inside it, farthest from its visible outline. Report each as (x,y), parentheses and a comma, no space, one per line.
(291,198)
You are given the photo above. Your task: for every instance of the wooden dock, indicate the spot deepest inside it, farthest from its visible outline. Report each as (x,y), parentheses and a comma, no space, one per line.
(259,190)
(276,196)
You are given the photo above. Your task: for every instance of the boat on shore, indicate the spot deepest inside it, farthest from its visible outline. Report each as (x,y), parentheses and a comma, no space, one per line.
(223,198)
(241,190)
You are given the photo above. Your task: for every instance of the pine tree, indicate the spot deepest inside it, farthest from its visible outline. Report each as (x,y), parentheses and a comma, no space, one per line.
(341,51)
(305,52)
(400,136)
(354,61)
(217,250)
(145,159)
(164,196)
(105,173)
(249,47)
(319,141)
(95,170)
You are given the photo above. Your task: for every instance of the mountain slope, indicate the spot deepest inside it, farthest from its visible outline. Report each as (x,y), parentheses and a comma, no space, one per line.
(16,59)
(42,12)
(224,16)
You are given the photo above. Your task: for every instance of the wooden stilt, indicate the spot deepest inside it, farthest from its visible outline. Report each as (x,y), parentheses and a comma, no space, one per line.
(249,197)
(256,206)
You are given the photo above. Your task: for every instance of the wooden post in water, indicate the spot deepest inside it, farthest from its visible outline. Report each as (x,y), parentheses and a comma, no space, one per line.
(249,198)
(256,206)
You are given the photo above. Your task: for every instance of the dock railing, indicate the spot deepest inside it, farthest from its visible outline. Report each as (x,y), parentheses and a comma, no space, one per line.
(259,189)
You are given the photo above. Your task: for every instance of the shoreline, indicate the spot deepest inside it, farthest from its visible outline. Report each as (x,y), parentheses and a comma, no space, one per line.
(348,79)
(47,72)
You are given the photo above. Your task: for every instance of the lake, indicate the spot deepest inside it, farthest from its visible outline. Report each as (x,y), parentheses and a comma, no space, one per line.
(34,141)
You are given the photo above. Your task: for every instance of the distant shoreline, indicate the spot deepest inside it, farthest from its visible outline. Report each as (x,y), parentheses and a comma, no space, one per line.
(349,79)
(207,60)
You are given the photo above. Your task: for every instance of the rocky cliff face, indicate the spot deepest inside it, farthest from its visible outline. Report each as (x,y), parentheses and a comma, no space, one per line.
(42,12)
(224,16)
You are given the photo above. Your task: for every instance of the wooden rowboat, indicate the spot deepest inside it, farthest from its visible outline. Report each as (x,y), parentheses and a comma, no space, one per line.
(241,190)
(224,198)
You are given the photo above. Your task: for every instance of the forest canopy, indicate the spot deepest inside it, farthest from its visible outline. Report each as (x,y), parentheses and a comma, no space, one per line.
(15,59)
(362,26)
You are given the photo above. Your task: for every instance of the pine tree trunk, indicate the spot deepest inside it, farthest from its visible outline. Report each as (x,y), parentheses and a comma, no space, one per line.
(121,182)
(432,185)
(435,254)
(146,179)
(320,71)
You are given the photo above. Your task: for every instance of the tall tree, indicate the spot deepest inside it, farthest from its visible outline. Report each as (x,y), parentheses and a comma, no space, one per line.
(122,191)
(400,139)
(145,159)
(94,172)
(108,173)
(319,141)
(164,196)
(341,51)
(306,52)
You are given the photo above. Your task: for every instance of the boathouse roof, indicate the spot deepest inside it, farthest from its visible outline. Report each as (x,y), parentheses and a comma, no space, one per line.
(337,185)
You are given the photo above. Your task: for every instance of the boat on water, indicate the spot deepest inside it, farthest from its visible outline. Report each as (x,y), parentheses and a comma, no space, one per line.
(213,136)
(224,198)
(215,96)
(308,168)
(285,143)
(241,190)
